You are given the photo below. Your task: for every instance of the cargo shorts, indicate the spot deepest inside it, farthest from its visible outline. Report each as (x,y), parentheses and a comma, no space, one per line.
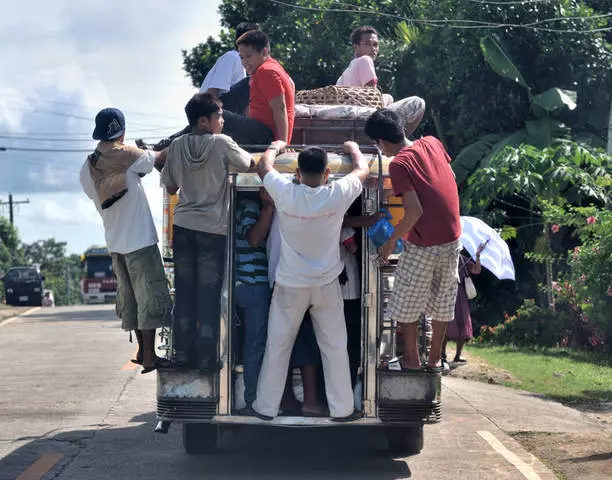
(143,299)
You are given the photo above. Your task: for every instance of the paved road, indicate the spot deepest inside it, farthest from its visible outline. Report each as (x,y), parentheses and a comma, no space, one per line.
(73,407)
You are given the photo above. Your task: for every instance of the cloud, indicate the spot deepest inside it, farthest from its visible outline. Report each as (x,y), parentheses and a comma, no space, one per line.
(65,63)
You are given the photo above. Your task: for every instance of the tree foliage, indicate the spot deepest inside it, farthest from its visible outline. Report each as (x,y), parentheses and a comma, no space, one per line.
(428,56)
(62,272)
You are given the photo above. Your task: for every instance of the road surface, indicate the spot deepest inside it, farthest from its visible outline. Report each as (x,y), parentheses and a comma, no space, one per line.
(72,406)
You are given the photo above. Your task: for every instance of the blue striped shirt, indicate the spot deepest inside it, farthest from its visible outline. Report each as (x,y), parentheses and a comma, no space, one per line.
(251,262)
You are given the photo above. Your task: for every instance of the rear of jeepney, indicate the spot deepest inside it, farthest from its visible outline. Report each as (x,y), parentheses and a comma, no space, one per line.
(399,402)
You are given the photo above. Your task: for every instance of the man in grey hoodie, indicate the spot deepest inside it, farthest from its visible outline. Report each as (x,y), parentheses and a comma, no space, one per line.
(197,166)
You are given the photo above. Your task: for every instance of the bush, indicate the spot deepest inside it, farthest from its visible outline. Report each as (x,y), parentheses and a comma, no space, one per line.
(590,274)
(531,325)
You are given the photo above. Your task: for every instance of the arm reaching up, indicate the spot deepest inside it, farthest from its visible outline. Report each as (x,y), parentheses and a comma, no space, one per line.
(360,165)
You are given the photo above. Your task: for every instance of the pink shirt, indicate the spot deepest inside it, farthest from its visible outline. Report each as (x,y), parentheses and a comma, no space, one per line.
(359,73)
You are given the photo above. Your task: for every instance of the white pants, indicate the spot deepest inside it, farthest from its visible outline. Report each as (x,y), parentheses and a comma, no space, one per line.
(286,314)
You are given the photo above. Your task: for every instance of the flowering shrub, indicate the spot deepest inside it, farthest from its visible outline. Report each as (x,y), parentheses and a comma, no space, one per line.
(590,273)
(581,313)
(530,325)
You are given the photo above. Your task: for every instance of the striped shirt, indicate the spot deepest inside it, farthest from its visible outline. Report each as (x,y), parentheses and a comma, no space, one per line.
(251,262)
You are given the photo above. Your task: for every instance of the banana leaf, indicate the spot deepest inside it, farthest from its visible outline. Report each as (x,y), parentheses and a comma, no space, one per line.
(553,100)
(499,60)
(516,139)
(542,132)
(469,158)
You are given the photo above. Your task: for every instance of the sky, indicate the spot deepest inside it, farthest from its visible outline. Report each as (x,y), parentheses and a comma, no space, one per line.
(59,68)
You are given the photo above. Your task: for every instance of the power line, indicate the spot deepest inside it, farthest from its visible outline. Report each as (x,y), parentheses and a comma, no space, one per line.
(88,134)
(47,139)
(11,204)
(47,150)
(458,24)
(80,106)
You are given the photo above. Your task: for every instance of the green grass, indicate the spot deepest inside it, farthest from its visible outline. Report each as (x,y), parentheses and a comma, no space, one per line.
(564,375)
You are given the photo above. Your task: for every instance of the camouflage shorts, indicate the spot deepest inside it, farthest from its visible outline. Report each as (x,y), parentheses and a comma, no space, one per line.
(143,299)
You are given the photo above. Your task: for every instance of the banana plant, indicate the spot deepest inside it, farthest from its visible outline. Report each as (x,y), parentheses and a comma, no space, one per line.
(542,130)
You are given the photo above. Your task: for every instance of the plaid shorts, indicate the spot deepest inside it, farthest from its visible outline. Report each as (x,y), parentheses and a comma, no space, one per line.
(426,282)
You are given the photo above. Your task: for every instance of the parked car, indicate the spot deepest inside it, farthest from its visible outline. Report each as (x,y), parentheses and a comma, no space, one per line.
(23,286)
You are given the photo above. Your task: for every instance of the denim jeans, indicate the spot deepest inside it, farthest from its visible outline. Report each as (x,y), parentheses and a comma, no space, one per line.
(245,130)
(254,303)
(237,98)
(199,265)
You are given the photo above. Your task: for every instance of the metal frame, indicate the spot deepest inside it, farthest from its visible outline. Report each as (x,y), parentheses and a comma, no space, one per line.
(227,309)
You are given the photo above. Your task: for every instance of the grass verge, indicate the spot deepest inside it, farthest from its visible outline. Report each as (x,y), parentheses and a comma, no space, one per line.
(568,376)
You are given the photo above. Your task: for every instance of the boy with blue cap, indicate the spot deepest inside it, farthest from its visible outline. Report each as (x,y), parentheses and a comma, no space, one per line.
(111,178)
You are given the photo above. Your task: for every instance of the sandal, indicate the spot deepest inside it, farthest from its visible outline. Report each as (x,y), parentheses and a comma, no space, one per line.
(408,369)
(159,363)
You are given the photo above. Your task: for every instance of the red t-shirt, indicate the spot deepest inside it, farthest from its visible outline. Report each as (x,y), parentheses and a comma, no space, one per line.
(269,81)
(425,169)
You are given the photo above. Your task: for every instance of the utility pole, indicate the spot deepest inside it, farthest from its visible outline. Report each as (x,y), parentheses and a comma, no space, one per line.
(11,204)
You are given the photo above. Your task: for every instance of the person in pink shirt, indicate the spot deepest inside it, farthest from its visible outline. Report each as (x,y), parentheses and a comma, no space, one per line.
(361,72)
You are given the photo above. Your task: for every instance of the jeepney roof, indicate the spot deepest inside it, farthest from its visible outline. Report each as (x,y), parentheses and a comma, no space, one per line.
(338,164)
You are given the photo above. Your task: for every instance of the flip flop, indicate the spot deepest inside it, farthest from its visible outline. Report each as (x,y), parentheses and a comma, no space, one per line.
(159,363)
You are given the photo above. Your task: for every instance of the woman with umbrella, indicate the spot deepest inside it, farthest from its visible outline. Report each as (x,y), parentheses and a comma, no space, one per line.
(460,329)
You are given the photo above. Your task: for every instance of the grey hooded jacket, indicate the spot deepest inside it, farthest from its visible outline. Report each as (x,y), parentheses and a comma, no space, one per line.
(198,166)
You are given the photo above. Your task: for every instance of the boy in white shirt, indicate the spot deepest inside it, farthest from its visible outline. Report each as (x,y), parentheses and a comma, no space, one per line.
(311,215)
(111,178)
(227,79)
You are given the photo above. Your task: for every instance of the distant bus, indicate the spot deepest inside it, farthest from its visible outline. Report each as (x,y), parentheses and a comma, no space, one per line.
(98,283)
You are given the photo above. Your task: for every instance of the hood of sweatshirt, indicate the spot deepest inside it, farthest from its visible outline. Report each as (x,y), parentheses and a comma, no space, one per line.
(196,148)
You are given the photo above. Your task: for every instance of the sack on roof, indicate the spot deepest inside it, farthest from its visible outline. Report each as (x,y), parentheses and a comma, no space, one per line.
(337,95)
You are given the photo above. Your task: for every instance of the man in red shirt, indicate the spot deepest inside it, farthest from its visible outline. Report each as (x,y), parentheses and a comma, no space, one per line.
(426,276)
(271,111)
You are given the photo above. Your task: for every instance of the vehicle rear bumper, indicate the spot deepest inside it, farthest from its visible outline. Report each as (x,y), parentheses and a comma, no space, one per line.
(405,398)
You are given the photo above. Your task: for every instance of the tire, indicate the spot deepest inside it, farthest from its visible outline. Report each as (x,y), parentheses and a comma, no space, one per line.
(199,438)
(405,440)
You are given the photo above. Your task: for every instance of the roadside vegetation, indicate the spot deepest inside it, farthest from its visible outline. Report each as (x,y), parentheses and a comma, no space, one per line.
(568,376)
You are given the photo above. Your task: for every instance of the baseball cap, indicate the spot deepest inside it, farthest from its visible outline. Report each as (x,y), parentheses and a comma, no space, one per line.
(110,124)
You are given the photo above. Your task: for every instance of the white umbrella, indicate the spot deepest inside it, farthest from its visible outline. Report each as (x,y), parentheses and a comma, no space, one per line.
(496,257)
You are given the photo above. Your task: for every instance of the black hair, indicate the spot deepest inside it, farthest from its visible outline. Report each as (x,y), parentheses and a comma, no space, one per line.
(201,105)
(384,124)
(312,161)
(244,27)
(254,38)
(359,31)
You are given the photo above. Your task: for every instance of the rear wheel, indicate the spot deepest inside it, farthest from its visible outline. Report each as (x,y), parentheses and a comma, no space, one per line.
(406,440)
(199,438)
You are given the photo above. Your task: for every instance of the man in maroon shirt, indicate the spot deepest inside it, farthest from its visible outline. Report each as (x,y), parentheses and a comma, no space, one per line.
(426,275)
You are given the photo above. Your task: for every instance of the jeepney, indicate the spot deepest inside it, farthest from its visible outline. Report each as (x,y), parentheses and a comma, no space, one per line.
(400,402)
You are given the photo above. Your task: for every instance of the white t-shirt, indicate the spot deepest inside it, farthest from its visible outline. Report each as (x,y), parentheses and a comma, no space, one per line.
(310,222)
(226,71)
(359,73)
(351,290)
(273,248)
(128,224)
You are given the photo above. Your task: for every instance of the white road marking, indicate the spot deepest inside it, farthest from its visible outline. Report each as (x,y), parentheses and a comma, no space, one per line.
(519,464)
(12,319)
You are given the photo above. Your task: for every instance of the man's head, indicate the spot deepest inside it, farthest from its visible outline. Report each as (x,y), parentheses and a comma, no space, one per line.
(204,113)
(312,167)
(110,125)
(254,49)
(365,42)
(384,128)
(245,27)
